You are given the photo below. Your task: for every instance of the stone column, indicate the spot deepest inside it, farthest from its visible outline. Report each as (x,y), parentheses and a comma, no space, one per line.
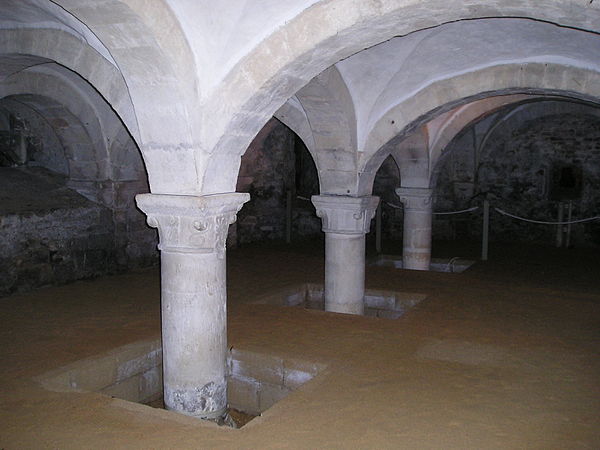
(192,232)
(346,220)
(416,248)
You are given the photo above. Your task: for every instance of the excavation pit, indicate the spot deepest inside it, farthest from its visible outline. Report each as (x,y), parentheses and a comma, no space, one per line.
(378,303)
(133,372)
(450,265)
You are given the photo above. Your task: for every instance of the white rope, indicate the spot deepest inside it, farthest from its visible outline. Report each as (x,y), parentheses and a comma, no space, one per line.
(457,212)
(474,208)
(439,213)
(589,219)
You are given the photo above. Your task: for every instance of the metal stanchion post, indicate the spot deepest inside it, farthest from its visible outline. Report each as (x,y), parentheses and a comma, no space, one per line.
(569,216)
(288,217)
(486,230)
(559,227)
(378,228)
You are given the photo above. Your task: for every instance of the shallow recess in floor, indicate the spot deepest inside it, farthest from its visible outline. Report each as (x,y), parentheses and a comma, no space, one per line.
(451,265)
(133,372)
(378,303)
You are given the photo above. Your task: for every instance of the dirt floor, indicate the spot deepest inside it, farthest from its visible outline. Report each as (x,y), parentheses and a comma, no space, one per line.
(504,355)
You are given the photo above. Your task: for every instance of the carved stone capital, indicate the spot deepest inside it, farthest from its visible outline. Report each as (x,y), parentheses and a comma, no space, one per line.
(415,199)
(345,215)
(191,224)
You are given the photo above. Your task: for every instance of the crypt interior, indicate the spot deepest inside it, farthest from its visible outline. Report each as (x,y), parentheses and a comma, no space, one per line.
(303,224)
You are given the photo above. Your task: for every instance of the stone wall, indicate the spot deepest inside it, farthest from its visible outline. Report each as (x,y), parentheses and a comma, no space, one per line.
(67,208)
(520,171)
(386,181)
(516,170)
(50,234)
(276,163)
(28,138)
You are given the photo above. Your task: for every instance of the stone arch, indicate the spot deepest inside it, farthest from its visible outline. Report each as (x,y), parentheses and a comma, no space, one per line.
(325,115)
(444,128)
(140,71)
(103,162)
(520,174)
(256,90)
(293,115)
(30,47)
(539,108)
(511,79)
(469,114)
(86,164)
(153,57)
(109,144)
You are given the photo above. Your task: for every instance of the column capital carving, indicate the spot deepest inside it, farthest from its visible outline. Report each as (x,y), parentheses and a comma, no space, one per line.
(345,215)
(415,198)
(191,224)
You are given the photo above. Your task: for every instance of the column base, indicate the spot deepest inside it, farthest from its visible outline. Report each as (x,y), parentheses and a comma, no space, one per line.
(208,402)
(346,308)
(416,261)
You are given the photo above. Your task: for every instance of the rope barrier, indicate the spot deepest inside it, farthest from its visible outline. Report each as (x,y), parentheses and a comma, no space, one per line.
(439,213)
(589,219)
(394,206)
(501,211)
(474,208)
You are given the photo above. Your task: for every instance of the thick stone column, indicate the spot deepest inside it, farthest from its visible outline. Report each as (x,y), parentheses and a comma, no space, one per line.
(416,250)
(346,220)
(192,232)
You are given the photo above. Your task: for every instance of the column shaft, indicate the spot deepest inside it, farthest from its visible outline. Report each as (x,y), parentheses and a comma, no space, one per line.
(192,232)
(346,220)
(194,333)
(416,245)
(345,273)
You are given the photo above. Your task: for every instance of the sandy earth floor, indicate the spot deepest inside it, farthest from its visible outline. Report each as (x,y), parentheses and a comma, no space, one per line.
(504,355)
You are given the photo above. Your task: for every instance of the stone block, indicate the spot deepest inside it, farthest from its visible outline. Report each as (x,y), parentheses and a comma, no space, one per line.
(295,299)
(242,394)
(270,394)
(151,384)
(139,364)
(93,375)
(371,312)
(111,368)
(84,170)
(379,300)
(297,372)
(266,368)
(128,389)
(388,314)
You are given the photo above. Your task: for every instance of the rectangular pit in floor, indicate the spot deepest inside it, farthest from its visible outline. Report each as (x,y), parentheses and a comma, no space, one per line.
(378,303)
(133,372)
(451,265)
